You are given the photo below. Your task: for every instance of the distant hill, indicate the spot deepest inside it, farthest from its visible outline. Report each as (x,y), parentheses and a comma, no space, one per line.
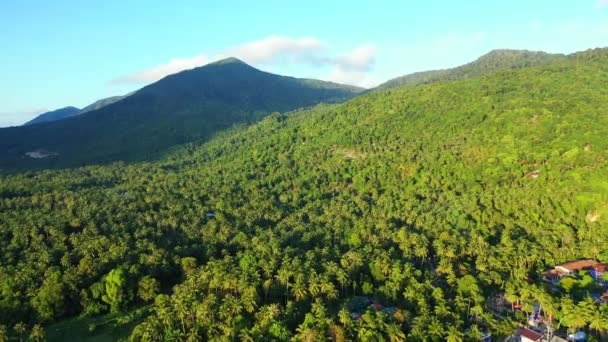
(69,112)
(58,114)
(102,103)
(492,61)
(187,106)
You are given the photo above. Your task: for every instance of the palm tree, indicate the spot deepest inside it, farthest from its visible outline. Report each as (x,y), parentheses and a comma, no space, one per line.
(328,289)
(570,315)
(37,333)
(20,329)
(182,312)
(267,284)
(435,328)
(395,333)
(314,286)
(299,288)
(283,277)
(344,318)
(454,335)
(598,321)
(3,333)
(342,278)
(307,334)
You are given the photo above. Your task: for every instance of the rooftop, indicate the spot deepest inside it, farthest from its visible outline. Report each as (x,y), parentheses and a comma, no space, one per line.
(578,264)
(530,334)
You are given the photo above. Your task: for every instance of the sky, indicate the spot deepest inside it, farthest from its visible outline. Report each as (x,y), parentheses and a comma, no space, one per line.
(71,53)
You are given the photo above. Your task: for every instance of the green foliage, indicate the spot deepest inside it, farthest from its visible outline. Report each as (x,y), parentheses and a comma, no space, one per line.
(429,199)
(49,301)
(490,62)
(117,293)
(148,288)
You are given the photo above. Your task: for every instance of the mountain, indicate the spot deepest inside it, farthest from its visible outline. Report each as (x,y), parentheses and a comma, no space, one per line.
(69,112)
(187,106)
(54,115)
(423,201)
(102,103)
(492,61)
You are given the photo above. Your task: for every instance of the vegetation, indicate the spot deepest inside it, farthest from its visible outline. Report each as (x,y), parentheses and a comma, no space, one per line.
(188,106)
(428,200)
(490,62)
(55,115)
(102,103)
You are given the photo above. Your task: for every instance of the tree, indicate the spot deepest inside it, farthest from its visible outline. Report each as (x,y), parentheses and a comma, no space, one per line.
(37,333)
(283,277)
(3,333)
(116,291)
(599,320)
(454,335)
(571,316)
(299,288)
(148,288)
(20,329)
(48,302)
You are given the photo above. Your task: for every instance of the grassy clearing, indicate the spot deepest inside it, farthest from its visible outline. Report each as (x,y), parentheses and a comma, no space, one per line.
(114,327)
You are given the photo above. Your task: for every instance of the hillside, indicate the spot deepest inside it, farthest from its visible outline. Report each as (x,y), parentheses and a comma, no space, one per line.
(492,61)
(58,114)
(68,112)
(423,201)
(191,105)
(102,103)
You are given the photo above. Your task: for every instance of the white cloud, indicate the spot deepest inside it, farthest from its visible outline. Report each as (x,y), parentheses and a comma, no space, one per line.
(602,3)
(156,73)
(362,59)
(354,68)
(352,77)
(273,50)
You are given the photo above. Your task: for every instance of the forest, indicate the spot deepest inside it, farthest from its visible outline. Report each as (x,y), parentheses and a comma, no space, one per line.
(394,216)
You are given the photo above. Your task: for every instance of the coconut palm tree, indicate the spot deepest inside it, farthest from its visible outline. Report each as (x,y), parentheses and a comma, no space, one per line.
(20,329)
(3,333)
(37,333)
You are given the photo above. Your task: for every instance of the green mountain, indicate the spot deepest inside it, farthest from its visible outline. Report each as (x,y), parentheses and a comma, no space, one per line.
(58,114)
(191,105)
(102,103)
(396,215)
(69,112)
(492,61)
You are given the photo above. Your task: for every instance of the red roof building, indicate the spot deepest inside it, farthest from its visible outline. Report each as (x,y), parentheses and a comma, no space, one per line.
(528,335)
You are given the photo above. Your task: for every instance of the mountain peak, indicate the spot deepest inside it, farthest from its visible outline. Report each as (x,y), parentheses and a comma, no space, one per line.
(514,53)
(229,60)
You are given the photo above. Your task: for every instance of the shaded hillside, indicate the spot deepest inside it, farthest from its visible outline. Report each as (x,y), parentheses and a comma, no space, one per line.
(69,112)
(428,200)
(102,103)
(187,106)
(54,115)
(492,61)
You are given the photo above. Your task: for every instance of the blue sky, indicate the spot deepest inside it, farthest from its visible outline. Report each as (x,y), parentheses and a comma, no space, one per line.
(64,52)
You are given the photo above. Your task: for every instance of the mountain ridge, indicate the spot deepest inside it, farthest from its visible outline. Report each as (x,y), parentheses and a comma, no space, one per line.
(57,114)
(494,60)
(183,107)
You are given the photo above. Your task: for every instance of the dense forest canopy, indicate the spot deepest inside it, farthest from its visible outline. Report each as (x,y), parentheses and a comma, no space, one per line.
(490,62)
(424,200)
